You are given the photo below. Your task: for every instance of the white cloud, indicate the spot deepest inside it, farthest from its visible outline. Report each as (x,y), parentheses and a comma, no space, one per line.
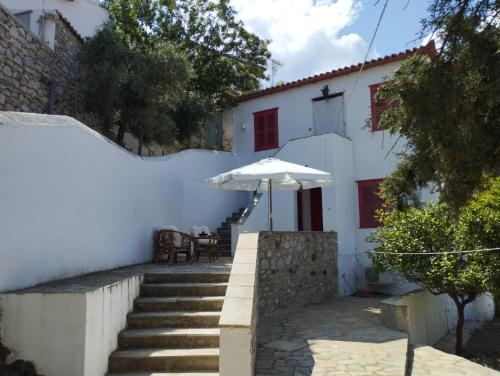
(306,34)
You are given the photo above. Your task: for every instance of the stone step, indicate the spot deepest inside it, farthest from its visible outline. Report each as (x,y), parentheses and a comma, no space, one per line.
(183,289)
(206,359)
(173,319)
(170,338)
(201,373)
(185,277)
(180,303)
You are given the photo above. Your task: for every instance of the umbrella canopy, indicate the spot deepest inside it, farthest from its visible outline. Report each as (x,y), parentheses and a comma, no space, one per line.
(268,174)
(284,176)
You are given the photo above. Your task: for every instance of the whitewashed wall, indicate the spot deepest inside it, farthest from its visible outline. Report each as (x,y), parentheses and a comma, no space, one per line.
(68,331)
(427,317)
(74,202)
(328,153)
(84,15)
(362,155)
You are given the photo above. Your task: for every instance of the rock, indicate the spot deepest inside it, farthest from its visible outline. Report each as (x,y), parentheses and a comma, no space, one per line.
(7,71)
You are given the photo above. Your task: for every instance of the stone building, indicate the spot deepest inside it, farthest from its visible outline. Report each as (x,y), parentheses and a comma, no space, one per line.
(39,75)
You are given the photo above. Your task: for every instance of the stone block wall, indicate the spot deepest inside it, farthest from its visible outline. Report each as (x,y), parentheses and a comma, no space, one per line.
(296,269)
(28,65)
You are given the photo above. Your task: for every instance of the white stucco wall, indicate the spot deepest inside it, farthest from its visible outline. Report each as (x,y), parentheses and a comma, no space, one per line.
(67,333)
(427,317)
(28,328)
(328,153)
(361,155)
(84,15)
(74,202)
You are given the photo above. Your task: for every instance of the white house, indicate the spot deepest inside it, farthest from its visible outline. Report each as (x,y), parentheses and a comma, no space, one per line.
(328,122)
(86,16)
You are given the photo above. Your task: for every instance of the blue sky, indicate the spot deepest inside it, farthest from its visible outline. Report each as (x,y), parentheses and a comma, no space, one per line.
(313,36)
(399,27)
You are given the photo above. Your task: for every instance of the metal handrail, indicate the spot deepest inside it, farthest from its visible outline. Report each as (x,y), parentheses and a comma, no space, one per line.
(249,208)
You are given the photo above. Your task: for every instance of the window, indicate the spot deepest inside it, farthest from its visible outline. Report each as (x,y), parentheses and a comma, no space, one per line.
(369,202)
(25,18)
(378,107)
(266,129)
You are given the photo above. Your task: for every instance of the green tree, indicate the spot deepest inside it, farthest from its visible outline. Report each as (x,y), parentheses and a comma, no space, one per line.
(136,90)
(103,60)
(226,58)
(408,239)
(447,107)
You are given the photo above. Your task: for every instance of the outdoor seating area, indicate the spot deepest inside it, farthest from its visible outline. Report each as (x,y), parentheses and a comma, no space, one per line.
(170,242)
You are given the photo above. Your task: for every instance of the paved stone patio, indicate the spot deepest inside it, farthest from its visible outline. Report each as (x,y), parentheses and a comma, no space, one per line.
(345,337)
(341,337)
(427,361)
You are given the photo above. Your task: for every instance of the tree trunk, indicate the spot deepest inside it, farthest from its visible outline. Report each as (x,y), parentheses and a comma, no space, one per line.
(460,329)
(461,303)
(120,136)
(141,142)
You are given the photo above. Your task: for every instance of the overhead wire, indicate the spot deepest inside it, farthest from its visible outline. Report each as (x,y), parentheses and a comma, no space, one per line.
(436,253)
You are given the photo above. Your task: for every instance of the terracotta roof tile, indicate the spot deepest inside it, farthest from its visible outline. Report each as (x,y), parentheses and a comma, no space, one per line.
(428,49)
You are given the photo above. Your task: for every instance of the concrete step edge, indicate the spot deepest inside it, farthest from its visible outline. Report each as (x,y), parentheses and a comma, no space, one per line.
(173,314)
(185,284)
(167,332)
(171,299)
(145,353)
(201,373)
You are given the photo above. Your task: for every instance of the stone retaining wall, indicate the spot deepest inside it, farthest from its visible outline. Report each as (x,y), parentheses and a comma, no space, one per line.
(296,268)
(28,65)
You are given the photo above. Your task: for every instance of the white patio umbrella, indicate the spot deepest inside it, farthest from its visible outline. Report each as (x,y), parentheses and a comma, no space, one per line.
(269,174)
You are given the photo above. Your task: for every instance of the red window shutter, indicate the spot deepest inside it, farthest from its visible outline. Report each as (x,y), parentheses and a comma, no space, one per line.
(369,202)
(260,132)
(270,130)
(378,107)
(266,129)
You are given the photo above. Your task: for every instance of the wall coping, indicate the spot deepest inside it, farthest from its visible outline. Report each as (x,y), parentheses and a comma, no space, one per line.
(237,311)
(13,118)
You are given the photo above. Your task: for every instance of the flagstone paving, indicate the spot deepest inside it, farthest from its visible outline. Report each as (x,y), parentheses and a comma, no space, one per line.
(427,361)
(345,337)
(341,337)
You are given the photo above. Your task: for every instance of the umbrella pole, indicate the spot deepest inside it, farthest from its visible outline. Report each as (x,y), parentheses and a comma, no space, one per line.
(270,205)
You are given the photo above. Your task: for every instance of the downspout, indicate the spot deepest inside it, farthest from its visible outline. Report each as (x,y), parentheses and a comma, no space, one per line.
(77,78)
(50,102)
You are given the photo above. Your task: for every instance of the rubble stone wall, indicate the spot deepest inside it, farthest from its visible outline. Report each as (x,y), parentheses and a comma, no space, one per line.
(296,269)
(28,68)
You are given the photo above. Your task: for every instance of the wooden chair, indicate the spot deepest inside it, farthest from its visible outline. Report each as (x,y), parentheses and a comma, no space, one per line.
(204,241)
(171,242)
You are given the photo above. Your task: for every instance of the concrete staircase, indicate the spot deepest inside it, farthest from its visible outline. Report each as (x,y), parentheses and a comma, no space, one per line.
(173,330)
(224,232)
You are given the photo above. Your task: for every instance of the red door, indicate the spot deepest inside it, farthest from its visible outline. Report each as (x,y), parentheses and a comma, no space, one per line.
(310,204)
(300,218)
(316,209)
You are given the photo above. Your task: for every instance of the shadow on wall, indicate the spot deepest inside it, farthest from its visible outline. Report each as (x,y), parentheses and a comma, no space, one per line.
(74,202)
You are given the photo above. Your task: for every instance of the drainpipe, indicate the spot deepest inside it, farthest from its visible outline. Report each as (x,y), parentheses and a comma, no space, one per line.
(50,102)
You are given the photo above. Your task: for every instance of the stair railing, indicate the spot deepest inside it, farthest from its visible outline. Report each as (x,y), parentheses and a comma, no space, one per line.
(237,226)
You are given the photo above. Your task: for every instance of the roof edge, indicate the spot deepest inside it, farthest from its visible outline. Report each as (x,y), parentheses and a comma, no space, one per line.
(428,49)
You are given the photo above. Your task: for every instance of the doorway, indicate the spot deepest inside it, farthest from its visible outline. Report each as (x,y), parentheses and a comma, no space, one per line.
(310,210)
